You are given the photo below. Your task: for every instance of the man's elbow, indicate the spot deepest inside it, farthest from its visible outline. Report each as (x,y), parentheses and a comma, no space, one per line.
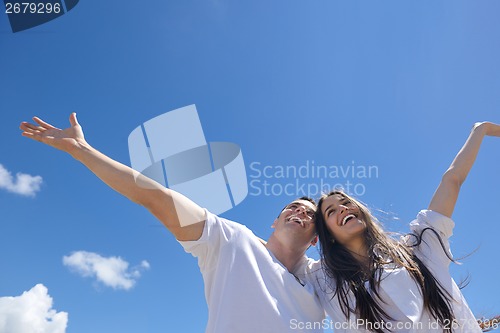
(150,199)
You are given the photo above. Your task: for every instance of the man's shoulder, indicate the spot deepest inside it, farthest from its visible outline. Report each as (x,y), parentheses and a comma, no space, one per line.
(230,228)
(306,265)
(227,223)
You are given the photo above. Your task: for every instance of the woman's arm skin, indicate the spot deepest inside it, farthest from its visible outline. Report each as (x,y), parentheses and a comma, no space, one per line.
(181,216)
(446,195)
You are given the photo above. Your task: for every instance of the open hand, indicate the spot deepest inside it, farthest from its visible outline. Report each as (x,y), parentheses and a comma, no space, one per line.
(65,140)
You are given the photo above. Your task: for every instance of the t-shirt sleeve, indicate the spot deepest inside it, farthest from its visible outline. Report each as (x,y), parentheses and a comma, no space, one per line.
(207,247)
(435,230)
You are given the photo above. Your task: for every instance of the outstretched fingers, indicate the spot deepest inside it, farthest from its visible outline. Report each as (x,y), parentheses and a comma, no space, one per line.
(27,127)
(43,137)
(32,135)
(43,124)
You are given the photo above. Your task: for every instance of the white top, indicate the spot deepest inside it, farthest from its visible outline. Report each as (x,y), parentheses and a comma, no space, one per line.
(247,289)
(401,294)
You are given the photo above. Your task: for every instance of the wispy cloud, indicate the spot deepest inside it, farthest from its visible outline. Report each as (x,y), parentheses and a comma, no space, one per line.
(31,312)
(22,184)
(112,272)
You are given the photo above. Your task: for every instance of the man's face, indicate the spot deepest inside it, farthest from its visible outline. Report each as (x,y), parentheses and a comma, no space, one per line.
(297,220)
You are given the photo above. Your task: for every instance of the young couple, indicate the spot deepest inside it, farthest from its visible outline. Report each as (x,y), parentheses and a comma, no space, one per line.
(366,280)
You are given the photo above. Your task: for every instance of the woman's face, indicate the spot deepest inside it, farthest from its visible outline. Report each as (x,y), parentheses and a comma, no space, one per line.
(343,218)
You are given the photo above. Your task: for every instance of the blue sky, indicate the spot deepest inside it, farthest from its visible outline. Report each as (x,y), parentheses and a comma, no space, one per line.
(394,84)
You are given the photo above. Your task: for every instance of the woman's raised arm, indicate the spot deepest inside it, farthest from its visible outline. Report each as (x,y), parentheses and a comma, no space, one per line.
(445,197)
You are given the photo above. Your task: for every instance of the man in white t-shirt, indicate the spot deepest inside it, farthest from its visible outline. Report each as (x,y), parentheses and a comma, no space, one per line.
(248,285)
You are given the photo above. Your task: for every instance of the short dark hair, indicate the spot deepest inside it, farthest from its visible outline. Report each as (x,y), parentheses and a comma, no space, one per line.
(304,198)
(311,200)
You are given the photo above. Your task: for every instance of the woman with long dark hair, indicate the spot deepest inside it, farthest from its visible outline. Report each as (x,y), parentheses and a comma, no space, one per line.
(369,281)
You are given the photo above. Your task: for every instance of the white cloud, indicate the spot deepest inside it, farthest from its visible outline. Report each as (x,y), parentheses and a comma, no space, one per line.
(31,313)
(22,184)
(113,272)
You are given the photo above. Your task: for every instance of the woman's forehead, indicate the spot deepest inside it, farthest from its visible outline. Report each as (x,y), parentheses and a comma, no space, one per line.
(332,201)
(335,198)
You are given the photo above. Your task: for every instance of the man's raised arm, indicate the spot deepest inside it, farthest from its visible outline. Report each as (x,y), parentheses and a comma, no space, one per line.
(184,218)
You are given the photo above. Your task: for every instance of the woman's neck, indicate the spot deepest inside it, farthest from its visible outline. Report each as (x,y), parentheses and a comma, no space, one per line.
(359,250)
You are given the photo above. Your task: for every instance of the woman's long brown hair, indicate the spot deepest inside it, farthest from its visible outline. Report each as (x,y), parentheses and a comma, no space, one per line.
(346,274)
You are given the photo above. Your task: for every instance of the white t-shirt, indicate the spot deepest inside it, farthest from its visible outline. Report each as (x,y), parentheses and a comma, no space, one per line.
(247,289)
(401,294)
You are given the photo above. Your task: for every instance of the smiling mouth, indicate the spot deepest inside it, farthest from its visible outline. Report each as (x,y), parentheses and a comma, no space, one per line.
(296,220)
(347,219)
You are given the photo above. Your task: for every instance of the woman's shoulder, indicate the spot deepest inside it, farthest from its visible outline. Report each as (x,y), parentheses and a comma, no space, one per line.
(434,220)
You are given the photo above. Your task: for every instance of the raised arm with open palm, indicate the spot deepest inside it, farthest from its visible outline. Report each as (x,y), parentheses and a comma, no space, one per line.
(445,197)
(180,215)
(66,140)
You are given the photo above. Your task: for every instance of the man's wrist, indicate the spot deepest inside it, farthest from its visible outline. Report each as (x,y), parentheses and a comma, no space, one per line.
(80,148)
